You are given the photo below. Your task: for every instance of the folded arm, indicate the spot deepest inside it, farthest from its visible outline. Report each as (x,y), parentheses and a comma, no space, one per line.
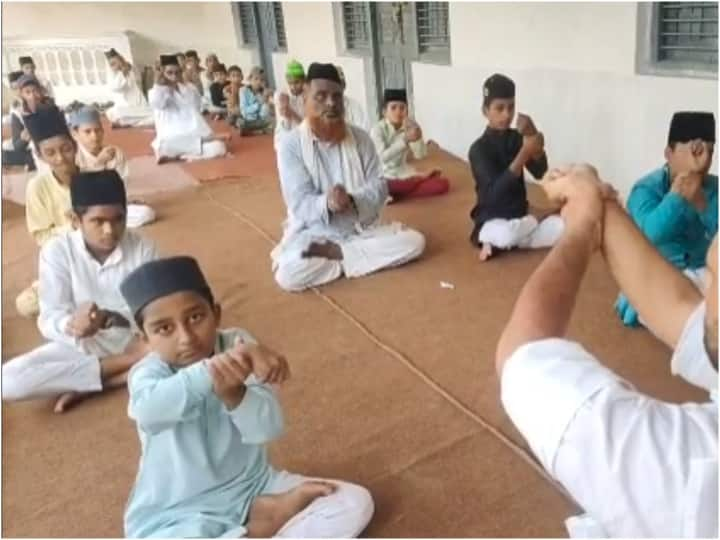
(159,398)
(660,293)
(259,416)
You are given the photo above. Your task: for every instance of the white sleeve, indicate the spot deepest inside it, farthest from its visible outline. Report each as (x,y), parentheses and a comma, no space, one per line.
(543,385)
(160,96)
(55,293)
(690,359)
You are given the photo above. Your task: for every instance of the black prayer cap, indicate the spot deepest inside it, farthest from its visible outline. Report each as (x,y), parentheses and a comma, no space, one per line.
(47,122)
(391,94)
(96,188)
(111,54)
(690,125)
(160,278)
(192,53)
(498,86)
(323,71)
(14,76)
(25,60)
(169,60)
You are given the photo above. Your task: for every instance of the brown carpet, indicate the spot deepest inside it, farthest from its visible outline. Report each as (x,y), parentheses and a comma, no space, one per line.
(393,383)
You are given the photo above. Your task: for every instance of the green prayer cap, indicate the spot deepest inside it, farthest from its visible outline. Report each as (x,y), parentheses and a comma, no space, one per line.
(295,70)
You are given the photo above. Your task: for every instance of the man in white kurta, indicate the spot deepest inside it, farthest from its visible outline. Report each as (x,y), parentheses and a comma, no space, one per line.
(638,466)
(130,108)
(181,130)
(71,278)
(331,182)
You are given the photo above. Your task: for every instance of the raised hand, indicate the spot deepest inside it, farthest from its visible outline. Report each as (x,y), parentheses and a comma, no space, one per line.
(525,125)
(228,372)
(338,199)
(106,154)
(534,145)
(87,320)
(267,365)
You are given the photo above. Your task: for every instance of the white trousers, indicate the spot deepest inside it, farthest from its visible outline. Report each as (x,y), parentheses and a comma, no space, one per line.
(139,215)
(189,147)
(131,116)
(344,514)
(367,252)
(524,232)
(50,370)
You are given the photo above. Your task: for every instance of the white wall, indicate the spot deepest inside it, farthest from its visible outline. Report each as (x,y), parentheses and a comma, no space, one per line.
(161,27)
(310,31)
(573,65)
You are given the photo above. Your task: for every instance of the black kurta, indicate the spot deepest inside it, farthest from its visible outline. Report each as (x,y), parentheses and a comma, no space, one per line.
(217,96)
(500,194)
(20,154)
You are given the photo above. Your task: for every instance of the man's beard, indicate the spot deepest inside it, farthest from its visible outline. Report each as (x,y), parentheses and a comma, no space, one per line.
(333,131)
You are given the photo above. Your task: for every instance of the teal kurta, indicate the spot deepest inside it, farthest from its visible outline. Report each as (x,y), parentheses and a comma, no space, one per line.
(201,465)
(675,227)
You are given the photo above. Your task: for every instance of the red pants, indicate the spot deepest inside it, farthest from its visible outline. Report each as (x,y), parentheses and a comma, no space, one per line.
(418,186)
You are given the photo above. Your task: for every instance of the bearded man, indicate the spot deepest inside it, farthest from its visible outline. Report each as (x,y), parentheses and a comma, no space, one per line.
(331,179)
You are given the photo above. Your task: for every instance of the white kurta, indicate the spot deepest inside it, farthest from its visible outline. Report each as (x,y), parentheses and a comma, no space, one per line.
(180,127)
(70,276)
(367,246)
(638,466)
(130,108)
(137,214)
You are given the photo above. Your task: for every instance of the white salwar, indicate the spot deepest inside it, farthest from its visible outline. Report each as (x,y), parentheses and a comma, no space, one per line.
(70,276)
(343,514)
(181,130)
(137,214)
(638,466)
(309,168)
(524,232)
(130,108)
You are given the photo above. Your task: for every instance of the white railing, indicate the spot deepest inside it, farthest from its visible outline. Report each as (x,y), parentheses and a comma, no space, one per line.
(76,67)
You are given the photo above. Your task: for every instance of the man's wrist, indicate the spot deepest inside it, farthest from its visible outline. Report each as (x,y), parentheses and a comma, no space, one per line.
(581,238)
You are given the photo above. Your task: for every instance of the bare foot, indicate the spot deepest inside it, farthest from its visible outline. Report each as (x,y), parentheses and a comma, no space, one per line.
(268,513)
(66,401)
(485,252)
(328,250)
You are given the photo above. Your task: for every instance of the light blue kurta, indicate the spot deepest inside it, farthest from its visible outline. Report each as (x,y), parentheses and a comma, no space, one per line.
(680,232)
(201,465)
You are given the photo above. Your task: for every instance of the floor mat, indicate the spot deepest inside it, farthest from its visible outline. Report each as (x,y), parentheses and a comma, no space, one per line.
(393,379)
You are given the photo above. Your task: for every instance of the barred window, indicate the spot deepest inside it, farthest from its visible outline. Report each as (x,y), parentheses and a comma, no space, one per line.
(678,39)
(248,24)
(688,32)
(279,26)
(433,33)
(356,24)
